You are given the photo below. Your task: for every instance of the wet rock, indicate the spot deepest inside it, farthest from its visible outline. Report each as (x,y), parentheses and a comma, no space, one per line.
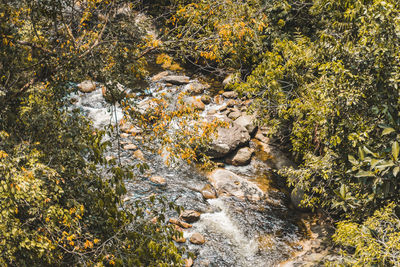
(206,99)
(177,80)
(234,115)
(231,103)
(248,122)
(230,94)
(195,102)
(241,157)
(228,140)
(195,88)
(229,184)
(158,180)
(276,158)
(139,155)
(179,223)
(261,137)
(130,147)
(197,239)
(208,192)
(190,216)
(188,262)
(87,86)
(223,108)
(159,76)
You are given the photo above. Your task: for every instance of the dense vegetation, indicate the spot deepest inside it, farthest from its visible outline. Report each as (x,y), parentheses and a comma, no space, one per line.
(324,76)
(60,198)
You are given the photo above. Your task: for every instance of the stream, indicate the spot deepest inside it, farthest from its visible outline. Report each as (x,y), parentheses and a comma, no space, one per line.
(238,232)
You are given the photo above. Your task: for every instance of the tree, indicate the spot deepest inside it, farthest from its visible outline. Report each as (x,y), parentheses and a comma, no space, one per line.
(60,198)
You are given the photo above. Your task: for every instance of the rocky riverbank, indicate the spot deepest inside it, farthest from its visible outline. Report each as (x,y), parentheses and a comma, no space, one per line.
(234,214)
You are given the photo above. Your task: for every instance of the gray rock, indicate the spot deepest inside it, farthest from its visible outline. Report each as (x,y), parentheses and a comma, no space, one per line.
(208,192)
(260,136)
(197,239)
(190,216)
(160,76)
(241,157)
(87,86)
(226,183)
(248,122)
(177,80)
(158,180)
(234,115)
(228,140)
(230,94)
(276,158)
(195,102)
(206,99)
(195,88)
(231,103)
(130,147)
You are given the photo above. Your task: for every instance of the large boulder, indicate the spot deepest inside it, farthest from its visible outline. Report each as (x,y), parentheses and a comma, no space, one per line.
(275,157)
(197,239)
(206,99)
(230,94)
(87,86)
(248,122)
(158,180)
(194,102)
(177,80)
(208,192)
(195,88)
(190,216)
(228,140)
(180,223)
(234,114)
(226,183)
(241,157)
(160,76)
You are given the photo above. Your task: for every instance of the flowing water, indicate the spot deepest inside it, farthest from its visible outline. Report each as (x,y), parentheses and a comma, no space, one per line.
(237,232)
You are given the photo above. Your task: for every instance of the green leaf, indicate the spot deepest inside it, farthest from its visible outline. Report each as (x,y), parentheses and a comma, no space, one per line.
(352,160)
(395,150)
(364,174)
(343,191)
(385,164)
(375,162)
(366,150)
(361,153)
(387,131)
